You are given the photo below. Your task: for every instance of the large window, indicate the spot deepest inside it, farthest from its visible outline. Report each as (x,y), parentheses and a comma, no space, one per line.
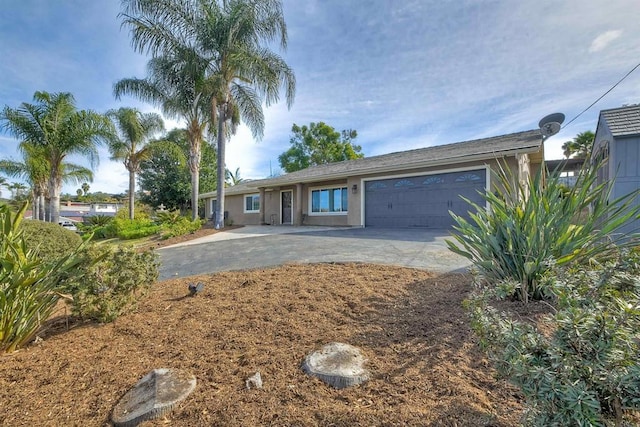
(329,200)
(252,203)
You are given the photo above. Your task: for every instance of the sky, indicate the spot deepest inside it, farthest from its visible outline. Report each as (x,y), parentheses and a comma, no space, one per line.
(404,73)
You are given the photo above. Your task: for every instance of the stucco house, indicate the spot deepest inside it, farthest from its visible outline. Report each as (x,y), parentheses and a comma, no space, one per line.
(414,188)
(617,139)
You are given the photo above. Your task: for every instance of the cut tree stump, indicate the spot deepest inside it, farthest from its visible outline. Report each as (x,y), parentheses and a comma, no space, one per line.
(152,397)
(337,364)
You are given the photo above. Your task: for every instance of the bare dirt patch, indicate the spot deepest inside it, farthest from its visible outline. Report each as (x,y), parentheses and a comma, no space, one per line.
(425,365)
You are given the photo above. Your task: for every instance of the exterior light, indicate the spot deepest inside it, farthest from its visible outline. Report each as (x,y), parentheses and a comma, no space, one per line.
(354,189)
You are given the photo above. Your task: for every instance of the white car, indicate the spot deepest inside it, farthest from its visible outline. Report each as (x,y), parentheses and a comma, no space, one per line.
(68,225)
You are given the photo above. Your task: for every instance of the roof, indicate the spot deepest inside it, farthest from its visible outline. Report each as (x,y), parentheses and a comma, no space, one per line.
(623,121)
(478,149)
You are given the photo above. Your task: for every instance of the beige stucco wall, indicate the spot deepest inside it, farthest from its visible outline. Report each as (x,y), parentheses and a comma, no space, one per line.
(354,217)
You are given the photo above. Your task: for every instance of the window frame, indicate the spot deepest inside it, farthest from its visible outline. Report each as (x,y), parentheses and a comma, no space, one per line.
(244,203)
(343,187)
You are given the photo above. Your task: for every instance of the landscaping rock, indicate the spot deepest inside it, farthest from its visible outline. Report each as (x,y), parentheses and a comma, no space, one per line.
(254,381)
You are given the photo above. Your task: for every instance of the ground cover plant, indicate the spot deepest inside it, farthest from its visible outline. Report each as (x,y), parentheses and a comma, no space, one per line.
(426,367)
(583,367)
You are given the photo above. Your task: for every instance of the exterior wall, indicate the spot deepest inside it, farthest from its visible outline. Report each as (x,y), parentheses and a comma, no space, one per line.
(234,205)
(625,159)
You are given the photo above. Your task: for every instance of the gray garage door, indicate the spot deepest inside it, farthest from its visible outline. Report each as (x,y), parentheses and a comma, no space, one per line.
(422,201)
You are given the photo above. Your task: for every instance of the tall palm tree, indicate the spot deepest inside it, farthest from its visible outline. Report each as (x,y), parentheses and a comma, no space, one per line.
(232,38)
(131,146)
(53,124)
(175,84)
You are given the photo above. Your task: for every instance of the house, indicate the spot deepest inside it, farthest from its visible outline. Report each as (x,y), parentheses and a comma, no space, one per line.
(415,188)
(567,169)
(617,140)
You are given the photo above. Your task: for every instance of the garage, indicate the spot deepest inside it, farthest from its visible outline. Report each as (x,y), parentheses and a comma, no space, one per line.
(422,201)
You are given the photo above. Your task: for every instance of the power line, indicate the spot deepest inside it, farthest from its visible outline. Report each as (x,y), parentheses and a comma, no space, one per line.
(603,95)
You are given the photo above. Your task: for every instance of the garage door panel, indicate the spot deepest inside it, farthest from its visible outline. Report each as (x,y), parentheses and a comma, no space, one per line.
(422,201)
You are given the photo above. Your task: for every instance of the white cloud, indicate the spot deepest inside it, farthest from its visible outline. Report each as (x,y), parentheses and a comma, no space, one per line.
(603,40)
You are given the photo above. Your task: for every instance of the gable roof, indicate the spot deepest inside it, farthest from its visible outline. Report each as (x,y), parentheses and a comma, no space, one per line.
(459,152)
(623,121)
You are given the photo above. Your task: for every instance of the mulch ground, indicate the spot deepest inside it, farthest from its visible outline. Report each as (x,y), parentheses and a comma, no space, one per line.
(426,369)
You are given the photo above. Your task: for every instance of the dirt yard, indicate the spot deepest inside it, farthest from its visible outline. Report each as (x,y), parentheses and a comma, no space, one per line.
(426,369)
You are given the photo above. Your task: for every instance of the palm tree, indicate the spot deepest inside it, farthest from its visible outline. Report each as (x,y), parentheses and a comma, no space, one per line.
(35,171)
(54,125)
(233,178)
(231,38)
(85,188)
(175,84)
(580,146)
(132,147)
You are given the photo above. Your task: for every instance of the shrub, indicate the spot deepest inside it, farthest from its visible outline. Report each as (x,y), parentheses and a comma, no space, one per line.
(586,372)
(134,229)
(528,228)
(49,241)
(98,220)
(29,286)
(168,217)
(113,284)
(180,227)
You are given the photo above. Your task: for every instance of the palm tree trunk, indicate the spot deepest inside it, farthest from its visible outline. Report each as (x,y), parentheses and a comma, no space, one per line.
(132,192)
(219,223)
(36,206)
(55,188)
(195,184)
(195,156)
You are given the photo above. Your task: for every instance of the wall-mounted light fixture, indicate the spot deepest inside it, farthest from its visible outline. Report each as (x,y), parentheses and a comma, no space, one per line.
(354,188)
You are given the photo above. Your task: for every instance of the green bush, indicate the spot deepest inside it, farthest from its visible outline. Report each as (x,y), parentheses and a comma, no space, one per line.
(181,227)
(49,241)
(586,370)
(112,285)
(29,285)
(529,228)
(134,229)
(168,217)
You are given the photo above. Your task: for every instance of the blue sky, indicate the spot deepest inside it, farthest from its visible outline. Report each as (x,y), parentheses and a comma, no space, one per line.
(404,73)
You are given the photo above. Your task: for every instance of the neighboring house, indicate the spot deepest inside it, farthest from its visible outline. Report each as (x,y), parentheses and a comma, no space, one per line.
(567,169)
(617,139)
(78,211)
(415,188)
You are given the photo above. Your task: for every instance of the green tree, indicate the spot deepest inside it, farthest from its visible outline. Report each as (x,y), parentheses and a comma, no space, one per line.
(53,124)
(164,175)
(85,188)
(318,144)
(131,145)
(231,40)
(580,146)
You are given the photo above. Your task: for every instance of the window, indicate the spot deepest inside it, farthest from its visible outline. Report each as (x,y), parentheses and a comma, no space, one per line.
(252,203)
(329,200)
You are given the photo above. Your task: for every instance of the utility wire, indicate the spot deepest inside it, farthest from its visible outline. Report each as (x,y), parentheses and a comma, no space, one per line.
(603,95)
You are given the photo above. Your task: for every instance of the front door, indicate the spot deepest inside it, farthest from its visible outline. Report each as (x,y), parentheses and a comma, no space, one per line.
(286,206)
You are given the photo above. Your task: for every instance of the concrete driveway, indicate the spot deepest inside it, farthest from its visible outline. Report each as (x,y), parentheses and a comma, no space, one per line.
(265,246)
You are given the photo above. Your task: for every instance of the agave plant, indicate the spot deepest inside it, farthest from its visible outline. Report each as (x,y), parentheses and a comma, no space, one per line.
(530,226)
(29,287)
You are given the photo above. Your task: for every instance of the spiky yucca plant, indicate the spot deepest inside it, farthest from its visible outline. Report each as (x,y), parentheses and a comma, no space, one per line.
(528,228)
(29,286)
